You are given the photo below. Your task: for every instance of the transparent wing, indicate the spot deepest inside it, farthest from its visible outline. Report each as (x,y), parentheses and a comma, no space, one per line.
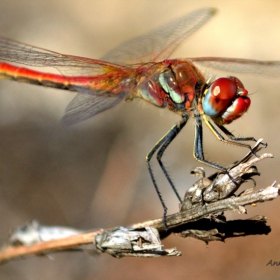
(159,43)
(21,53)
(101,85)
(238,65)
(85,106)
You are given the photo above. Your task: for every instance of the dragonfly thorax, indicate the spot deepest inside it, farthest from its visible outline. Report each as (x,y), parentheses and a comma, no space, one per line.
(174,86)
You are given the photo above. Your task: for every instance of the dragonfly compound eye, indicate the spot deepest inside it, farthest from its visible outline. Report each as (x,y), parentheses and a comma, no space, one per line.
(219,96)
(236,110)
(226,100)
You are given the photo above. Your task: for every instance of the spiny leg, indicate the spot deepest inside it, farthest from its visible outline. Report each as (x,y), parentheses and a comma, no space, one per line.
(169,137)
(148,158)
(198,145)
(163,144)
(232,137)
(237,141)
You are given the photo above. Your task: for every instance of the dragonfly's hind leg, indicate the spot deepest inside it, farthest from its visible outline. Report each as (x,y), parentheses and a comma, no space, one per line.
(162,144)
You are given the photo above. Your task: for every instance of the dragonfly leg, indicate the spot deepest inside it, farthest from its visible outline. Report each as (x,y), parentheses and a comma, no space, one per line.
(237,141)
(198,145)
(162,144)
(232,137)
(173,132)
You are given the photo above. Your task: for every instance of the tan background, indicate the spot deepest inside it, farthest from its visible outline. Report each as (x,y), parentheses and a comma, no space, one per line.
(94,175)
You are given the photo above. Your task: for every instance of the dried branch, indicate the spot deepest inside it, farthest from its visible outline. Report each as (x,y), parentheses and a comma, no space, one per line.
(201,216)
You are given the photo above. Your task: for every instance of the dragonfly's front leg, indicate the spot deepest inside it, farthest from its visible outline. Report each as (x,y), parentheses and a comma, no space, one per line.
(162,144)
(237,141)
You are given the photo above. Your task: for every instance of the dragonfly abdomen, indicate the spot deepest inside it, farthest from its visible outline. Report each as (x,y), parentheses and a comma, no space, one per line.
(21,74)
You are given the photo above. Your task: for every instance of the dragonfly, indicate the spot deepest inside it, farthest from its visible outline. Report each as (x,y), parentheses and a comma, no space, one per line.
(141,68)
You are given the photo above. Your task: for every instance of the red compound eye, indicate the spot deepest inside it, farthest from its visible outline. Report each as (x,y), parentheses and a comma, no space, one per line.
(236,110)
(219,97)
(226,100)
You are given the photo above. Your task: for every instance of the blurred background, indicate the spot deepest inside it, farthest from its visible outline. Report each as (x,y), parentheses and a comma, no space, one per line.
(94,175)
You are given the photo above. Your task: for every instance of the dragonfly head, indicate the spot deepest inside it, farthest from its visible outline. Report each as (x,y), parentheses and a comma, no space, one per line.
(225,100)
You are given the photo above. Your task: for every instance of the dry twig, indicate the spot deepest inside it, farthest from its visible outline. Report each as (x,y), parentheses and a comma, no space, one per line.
(200,216)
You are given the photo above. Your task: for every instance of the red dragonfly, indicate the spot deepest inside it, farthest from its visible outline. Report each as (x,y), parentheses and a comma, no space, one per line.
(176,84)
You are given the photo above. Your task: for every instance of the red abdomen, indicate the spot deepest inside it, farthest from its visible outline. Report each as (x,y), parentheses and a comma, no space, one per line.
(26,75)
